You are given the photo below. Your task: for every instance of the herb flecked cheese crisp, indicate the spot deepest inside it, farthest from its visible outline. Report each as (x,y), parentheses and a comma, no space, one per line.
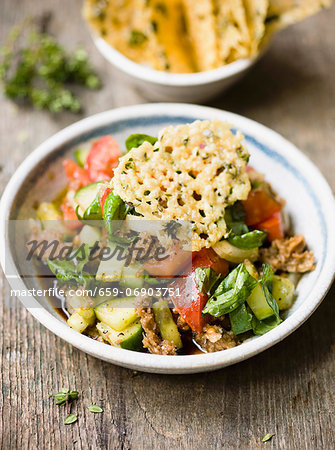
(192,173)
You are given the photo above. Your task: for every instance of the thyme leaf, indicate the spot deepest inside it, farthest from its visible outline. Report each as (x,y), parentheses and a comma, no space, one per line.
(95,409)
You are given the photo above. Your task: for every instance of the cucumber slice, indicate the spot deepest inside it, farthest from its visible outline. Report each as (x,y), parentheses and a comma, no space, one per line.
(78,322)
(87,314)
(89,235)
(131,276)
(167,326)
(283,292)
(81,156)
(116,314)
(111,269)
(130,338)
(86,195)
(233,254)
(258,303)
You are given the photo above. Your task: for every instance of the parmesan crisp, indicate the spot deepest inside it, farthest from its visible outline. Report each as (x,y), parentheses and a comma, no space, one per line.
(192,173)
(183,36)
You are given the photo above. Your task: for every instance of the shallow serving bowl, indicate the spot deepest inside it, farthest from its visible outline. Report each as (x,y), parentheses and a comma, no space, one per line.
(174,87)
(310,204)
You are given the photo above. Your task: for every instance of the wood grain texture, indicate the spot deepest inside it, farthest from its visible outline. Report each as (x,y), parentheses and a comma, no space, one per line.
(288,390)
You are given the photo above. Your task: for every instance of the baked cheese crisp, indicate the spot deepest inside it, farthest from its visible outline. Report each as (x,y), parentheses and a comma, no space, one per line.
(192,173)
(185,36)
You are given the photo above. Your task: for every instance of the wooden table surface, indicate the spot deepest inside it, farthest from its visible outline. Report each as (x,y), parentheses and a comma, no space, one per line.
(287,390)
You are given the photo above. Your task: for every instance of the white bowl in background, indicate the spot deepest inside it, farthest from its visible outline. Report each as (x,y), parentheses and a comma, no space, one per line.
(310,203)
(175,87)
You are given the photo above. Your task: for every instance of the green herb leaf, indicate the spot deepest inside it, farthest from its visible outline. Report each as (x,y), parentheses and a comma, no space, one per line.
(114,209)
(231,292)
(240,320)
(234,218)
(93,212)
(71,268)
(95,409)
(206,279)
(135,140)
(252,239)
(267,437)
(261,327)
(73,395)
(60,396)
(266,282)
(70,418)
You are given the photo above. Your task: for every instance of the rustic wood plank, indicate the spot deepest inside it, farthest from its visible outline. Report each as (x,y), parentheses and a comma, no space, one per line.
(287,390)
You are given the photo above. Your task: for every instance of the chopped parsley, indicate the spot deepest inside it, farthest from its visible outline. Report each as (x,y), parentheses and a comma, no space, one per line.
(137,37)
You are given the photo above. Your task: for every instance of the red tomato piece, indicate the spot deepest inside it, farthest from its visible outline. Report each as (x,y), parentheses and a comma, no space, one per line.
(260,205)
(208,258)
(273,225)
(192,301)
(70,217)
(77,176)
(102,159)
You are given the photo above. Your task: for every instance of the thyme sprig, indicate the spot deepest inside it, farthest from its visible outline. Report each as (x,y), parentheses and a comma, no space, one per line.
(65,397)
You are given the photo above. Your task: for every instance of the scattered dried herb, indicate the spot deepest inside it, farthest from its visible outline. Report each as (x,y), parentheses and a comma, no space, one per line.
(35,69)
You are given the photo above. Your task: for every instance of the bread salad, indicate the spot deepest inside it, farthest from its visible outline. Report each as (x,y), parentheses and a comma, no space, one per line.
(185,36)
(231,260)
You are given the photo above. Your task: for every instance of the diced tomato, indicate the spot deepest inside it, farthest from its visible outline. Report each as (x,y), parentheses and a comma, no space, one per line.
(273,225)
(77,176)
(260,205)
(189,302)
(103,196)
(208,258)
(70,217)
(192,301)
(102,159)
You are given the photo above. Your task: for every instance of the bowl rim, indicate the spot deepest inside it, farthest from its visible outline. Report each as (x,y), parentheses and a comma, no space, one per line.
(161,363)
(154,76)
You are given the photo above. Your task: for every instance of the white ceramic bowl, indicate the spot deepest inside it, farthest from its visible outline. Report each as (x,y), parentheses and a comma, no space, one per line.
(310,203)
(173,87)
